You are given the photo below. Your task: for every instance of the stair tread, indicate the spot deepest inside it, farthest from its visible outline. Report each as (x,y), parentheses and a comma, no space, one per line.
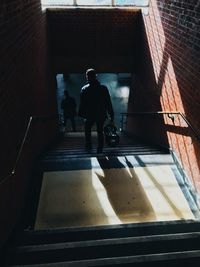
(146,258)
(111,241)
(107,231)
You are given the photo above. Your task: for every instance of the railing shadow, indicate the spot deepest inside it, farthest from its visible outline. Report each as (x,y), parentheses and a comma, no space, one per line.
(125,193)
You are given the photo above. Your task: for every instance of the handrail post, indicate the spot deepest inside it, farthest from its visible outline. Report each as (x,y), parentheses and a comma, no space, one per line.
(171,115)
(31,119)
(122,122)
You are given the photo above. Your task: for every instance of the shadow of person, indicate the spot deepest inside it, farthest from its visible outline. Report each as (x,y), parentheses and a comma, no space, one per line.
(125,192)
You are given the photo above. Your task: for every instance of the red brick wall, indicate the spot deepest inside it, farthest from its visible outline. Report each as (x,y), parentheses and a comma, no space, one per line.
(23,86)
(168,75)
(103,38)
(23,93)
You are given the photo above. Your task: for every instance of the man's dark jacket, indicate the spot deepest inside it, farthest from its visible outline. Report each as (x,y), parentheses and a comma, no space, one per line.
(95,102)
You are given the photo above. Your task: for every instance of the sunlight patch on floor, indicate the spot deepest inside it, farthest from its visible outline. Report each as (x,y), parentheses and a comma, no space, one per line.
(110,196)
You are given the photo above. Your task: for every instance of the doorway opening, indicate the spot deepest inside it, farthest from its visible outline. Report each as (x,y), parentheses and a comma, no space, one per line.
(118,85)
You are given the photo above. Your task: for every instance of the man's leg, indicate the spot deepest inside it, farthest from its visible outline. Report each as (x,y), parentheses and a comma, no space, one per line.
(88,127)
(100,134)
(64,124)
(64,121)
(73,124)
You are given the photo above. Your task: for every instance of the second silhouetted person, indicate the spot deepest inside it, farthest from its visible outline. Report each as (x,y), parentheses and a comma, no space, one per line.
(68,105)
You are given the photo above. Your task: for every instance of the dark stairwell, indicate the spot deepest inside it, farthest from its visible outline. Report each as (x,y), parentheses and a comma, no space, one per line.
(137,237)
(162,49)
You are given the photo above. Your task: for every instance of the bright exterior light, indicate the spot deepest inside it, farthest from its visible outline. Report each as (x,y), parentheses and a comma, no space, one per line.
(57,2)
(124,91)
(95,2)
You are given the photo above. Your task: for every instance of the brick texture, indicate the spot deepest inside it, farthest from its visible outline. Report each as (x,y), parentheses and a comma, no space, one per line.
(168,78)
(23,93)
(162,49)
(103,38)
(23,71)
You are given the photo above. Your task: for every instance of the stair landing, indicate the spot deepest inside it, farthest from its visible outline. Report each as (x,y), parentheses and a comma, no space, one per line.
(129,185)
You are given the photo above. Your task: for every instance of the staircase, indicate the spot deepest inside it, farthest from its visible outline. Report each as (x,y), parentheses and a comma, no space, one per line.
(72,146)
(162,243)
(154,244)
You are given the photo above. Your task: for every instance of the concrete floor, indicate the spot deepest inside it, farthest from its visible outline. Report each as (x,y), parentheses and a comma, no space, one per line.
(103,196)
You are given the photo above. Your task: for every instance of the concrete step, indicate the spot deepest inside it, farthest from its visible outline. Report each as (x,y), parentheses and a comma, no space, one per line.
(172,259)
(105,248)
(76,234)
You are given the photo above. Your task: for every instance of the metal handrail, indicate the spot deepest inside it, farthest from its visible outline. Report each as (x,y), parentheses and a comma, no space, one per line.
(170,115)
(13,171)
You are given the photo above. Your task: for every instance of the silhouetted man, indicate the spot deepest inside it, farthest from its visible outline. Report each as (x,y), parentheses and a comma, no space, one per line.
(95,104)
(68,105)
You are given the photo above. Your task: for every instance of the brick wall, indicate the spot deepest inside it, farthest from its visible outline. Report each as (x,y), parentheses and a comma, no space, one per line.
(103,38)
(22,72)
(23,93)
(168,76)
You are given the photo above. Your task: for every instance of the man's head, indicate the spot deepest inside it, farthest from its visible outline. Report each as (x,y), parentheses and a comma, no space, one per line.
(91,75)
